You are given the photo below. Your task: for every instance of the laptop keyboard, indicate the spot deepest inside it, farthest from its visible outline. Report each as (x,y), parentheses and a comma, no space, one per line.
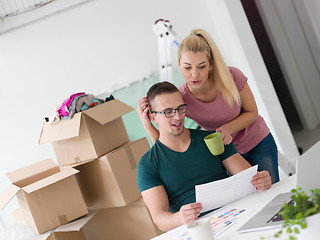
(277,217)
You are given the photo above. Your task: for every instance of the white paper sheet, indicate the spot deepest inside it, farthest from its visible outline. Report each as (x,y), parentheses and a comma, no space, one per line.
(219,193)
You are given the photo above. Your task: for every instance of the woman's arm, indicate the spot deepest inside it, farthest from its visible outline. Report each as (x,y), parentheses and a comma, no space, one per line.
(249,113)
(143,108)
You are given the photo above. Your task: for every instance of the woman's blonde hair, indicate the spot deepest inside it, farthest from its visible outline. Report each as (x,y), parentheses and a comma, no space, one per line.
(199,40)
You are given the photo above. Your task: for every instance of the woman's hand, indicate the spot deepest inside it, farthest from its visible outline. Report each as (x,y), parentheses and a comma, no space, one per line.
(226,136)
(143,108)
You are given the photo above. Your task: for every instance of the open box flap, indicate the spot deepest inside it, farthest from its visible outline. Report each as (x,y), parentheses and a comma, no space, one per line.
(8,194)
(43,236)
(108,111)
(76,225)
(17,215)
(64,129)
(34,171)
(67,172)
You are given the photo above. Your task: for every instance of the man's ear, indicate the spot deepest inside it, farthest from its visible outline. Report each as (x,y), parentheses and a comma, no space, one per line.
(152,117)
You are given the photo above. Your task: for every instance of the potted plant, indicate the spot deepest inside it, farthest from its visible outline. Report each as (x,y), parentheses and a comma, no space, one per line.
(304,213)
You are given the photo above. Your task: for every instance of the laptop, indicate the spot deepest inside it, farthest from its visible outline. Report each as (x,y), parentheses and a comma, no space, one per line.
(308,178)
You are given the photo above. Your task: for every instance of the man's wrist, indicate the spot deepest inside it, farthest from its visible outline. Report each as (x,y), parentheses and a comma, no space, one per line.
(178,219)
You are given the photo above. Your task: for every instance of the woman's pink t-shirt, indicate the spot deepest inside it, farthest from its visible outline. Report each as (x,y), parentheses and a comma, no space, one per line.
(212,115)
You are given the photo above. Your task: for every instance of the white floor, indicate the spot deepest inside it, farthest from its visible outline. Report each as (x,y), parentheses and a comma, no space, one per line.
(307,138)
(304,139)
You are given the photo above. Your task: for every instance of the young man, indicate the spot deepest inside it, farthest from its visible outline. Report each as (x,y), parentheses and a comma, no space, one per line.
(179,160)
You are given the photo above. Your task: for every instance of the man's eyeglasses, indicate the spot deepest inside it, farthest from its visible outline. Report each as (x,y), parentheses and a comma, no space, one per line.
(169,113)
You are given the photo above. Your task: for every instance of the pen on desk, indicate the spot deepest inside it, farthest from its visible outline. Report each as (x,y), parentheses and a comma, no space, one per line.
(226,224)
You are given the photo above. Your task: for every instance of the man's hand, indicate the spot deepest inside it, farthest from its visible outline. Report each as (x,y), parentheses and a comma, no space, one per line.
(261,181)
(190,212)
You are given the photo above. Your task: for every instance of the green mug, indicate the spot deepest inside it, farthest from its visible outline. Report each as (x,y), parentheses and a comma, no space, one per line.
(215,144)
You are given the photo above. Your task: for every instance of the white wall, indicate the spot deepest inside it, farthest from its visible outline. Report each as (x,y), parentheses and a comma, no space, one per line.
(96,47)
(288,24)
(308,12)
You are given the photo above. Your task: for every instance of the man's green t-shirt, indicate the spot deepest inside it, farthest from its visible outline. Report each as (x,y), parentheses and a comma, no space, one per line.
(179,172)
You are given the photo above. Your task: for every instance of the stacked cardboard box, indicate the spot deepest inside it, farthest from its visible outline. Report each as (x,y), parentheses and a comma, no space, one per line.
(89,134)
(130,222)
(110,181)
(48,197)
(69,231)
(95,143)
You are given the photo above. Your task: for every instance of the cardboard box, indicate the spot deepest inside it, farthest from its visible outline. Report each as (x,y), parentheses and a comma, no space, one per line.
(73,235)
(110,181)
(130,222)
(68,235)
(48,197)
(89,134)
(69,231)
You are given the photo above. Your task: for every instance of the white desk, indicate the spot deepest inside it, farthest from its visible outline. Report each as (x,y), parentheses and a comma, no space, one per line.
(254,202)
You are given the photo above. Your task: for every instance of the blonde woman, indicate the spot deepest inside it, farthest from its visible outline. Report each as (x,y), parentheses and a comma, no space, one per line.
(219,98)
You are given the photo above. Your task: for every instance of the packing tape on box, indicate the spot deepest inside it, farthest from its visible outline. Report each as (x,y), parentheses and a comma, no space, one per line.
(132,161)
(63,219)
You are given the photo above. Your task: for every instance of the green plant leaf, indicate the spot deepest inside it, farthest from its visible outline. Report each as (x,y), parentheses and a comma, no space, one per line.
(299,215)
(292,221)
(289,230)
(294,215)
